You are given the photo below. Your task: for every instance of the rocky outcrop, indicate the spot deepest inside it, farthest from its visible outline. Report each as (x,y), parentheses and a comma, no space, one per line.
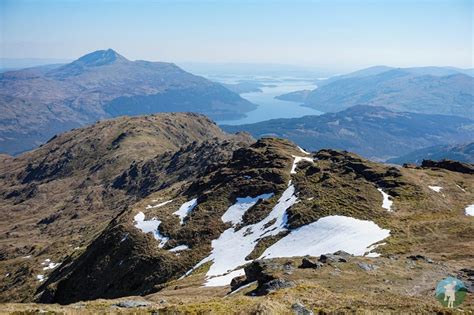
(454,166)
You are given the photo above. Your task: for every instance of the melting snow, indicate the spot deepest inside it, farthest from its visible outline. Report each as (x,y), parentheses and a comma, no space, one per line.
(40,278)
(49,264)
(147,226)
(301,149)
(124,238)
(159,205)
(225,279)
(386,203)
(436,188)
(327,235)
(235,212)
(470,210)
(231,248)
(185,209)
(297,160)
(461,188)
(179,248)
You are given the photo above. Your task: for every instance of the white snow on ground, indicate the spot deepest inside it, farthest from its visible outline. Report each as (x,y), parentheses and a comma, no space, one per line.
(461,188)
(235,212)
(185,209)
(370,251)
(386,203)
(327,235)
(302,150)
(147,226)
(40,278)
(225,279)
(297,160)
(231,248)
(27,257)
(159,205)
(373,255)
(470,210)
(436,188)
(179,248)
(49,264)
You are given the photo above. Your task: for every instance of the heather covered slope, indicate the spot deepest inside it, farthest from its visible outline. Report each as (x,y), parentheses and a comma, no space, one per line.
(61,194)
(177,227)
(37,103)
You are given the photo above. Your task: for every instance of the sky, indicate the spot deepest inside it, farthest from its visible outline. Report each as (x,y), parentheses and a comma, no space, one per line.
(334,34)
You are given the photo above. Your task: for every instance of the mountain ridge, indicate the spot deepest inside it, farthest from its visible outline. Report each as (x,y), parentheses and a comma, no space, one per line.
(372,131)
(102,85)
(399,90)
(143,206)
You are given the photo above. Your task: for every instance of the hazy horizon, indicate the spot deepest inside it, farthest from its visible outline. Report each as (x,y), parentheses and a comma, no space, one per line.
(336,35)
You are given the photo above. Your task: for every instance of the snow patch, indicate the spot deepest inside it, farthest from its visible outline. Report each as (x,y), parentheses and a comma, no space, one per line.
(386,203)
(124,238)
(185,209)
(49,264)
(224,280)
(327,235)
(179,248)
(301,149)
(235,212)
(461,188)
(40,278)
(298,159)
(435,188)
(470,210)
(231,248)
(159,205)
(147,226)
(370,250)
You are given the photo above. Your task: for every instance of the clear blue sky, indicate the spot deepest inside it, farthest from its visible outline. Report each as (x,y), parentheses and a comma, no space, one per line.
(332,33)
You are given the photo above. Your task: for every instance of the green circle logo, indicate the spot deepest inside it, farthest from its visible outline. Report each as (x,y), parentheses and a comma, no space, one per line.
(451,292)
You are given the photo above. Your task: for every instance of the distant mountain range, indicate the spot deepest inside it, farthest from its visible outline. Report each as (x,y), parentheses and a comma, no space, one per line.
(372,131)
(434,71)
(460,152)
(429,90)
(37,103)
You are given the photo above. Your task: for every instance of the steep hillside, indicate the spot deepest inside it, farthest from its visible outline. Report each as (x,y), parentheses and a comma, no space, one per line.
(374,132)
(37,103)
(228,225)
(460,152)
(399,90)
(63,193)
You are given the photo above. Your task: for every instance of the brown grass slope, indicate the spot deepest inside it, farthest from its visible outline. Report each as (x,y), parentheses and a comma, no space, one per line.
(56,198)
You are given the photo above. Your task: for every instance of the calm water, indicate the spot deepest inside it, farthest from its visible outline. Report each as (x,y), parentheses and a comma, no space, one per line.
(268,106)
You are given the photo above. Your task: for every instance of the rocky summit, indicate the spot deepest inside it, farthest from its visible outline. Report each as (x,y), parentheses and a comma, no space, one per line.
(168,213)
